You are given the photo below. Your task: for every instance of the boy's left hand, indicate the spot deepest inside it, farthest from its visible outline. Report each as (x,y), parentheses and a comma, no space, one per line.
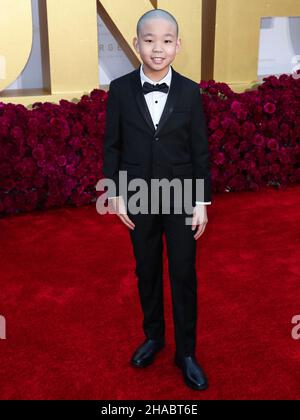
(199,219)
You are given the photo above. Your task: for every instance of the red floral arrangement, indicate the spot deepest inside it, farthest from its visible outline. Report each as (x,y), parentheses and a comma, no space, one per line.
(254,136)
(52,155)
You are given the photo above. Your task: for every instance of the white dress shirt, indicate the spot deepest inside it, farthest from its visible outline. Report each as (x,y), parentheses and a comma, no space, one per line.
(156,102)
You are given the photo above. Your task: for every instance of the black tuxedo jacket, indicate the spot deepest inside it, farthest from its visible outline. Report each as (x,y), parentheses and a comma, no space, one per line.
(177,148)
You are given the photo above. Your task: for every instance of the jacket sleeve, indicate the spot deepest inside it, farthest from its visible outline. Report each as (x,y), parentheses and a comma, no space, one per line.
(112,138)
(199,147)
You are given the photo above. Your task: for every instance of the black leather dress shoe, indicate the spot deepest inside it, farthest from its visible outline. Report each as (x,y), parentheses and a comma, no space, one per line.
(193,374)
(145,353)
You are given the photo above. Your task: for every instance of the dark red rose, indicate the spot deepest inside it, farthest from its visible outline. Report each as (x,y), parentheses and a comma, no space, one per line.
(61,160)
(220,159)
(270,108)
(259,140)
(273,144)
(39,152)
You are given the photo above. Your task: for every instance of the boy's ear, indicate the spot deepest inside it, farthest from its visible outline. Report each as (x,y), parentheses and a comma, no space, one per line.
(135,43)
(178,45)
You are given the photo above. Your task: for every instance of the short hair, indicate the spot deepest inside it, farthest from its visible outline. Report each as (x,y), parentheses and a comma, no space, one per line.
(156,13)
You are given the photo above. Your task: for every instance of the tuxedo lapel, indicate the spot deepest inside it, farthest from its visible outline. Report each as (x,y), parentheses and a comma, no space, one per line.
(140,98)
(173,97)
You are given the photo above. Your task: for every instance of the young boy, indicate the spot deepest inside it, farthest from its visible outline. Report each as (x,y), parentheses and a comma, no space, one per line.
(155,129)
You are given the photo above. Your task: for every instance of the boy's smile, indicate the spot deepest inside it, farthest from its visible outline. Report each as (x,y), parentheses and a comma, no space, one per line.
(158,44)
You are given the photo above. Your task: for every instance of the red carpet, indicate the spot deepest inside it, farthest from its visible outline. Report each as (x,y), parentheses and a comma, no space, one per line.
(69,296)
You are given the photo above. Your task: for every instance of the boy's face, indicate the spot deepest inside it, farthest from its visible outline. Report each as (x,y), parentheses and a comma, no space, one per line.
(157,44)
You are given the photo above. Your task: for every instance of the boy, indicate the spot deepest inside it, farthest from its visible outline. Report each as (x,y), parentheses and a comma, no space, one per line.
(155,129)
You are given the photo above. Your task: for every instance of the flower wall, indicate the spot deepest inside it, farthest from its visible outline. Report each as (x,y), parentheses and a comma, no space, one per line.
(51,155)
(254,136)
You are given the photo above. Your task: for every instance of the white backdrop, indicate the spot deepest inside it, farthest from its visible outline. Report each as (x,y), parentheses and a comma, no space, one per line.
(279,52)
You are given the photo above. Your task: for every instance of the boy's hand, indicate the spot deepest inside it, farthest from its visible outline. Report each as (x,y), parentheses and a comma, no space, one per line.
(199,218)
(118,206)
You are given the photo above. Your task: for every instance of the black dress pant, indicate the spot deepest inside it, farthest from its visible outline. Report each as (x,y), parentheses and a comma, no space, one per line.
(147,241)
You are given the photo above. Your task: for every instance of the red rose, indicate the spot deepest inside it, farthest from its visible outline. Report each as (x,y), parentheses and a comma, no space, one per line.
(273,144)
(270,108)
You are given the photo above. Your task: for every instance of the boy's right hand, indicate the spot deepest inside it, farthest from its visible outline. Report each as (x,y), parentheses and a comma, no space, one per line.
(118,207)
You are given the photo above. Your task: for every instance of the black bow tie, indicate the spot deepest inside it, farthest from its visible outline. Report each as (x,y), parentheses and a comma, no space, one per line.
(148,88)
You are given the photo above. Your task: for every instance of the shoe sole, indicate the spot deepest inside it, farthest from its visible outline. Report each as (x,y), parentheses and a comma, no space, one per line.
(148,362)
(138,365)
(188,383)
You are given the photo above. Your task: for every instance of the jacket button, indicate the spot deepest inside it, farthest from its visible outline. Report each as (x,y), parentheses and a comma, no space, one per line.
(156,138)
